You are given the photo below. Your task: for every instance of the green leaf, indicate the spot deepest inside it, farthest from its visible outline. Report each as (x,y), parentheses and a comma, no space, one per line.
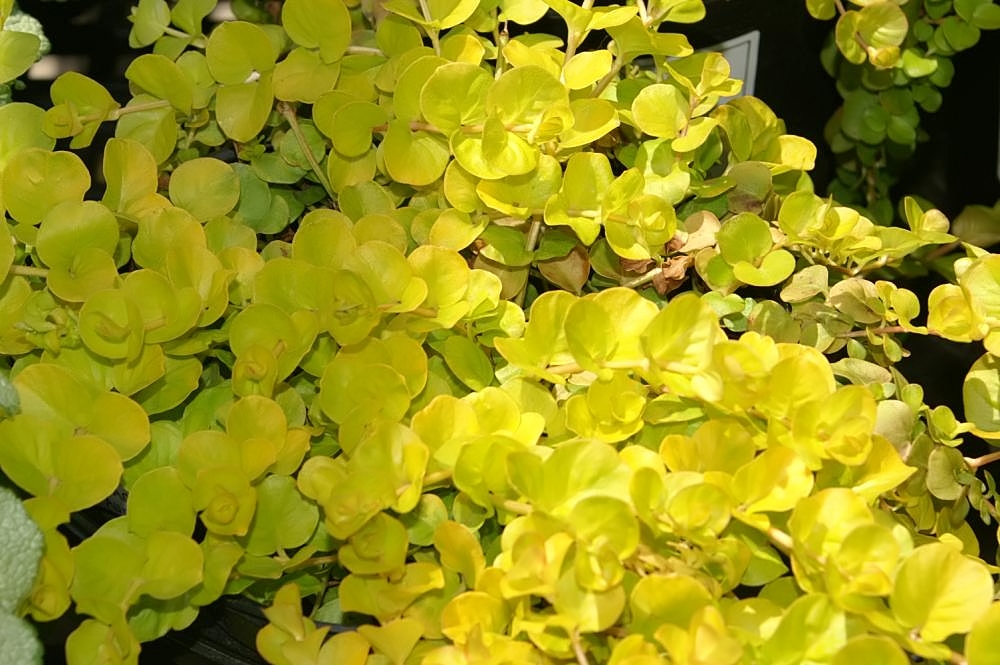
(159,501)
(238,51)
(633,38)
(679,339)
(303,77)
(981,396)
(111,325)
(414,158)
(205,187)
(318,24)
(350,125)
(943,468)
(36,180)
(980,643)
(586,68)
(130,175)
(774,268)
(592,119)
(660,110)
(180,378)
(149,20)
(986,16)
(21,127)
(467,360)
(587,177)
(823,10)
(88,272)
(471,612)
(264,329)
(18,52)
(242,109)
(532,96)
(940,592)
(188,14)
(745,237)
(441,14)
(155,128)
(659,599)
(71,227)
(882,24)
(495,153)
(79,471)
(173,565)
(917,66)
(870,649)
(846,37)
(379,547)
(959,34)
(284,519)
(438,102)
(55,394)
(812,629)
(422,522)
(353,389)
(163,78)
(460,551)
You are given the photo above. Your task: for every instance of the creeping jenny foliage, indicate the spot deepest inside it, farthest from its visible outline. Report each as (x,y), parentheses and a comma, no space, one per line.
(382,306)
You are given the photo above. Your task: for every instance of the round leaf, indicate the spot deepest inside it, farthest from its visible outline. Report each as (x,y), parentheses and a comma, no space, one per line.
(318,24)
(72,226)
(239,52)
(940,592)
(205,187)
(36,180)
(660,110)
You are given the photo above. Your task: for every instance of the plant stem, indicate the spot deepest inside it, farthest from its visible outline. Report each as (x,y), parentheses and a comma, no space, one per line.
(125,110)
(425,10)
(643,13)
(643,279)
(511,506)
(364,50)
(781,540)
(315,561)
(581,656)
(198,41)
(29,271)
(574,38)
(941,250)
(286,110)
(616,67)
(437,477)
(322,594)
(529,244)
(500,39)
(885,330)
(976,462)
(574,368)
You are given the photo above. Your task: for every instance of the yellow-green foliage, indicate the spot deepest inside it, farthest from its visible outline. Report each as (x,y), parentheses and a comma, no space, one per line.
(506,350)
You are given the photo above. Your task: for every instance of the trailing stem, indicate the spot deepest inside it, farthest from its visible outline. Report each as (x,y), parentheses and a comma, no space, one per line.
(29,271)
(288,113)
(977,462)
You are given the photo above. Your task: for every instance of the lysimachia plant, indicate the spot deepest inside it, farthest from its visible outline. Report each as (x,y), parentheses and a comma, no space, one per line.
(495,347)
(891,60)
